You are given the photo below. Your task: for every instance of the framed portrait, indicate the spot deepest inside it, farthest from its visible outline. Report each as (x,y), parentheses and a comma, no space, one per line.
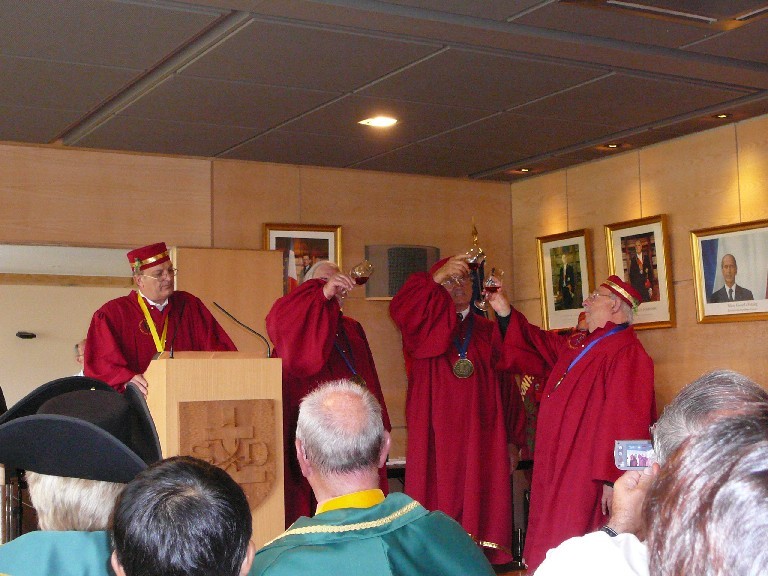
(730,271)
(565,277)
(638,253)
(302,245)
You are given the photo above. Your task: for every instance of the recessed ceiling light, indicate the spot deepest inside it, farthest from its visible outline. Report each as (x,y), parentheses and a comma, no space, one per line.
(525,169)
(379,121)
(613,145)
(722,116)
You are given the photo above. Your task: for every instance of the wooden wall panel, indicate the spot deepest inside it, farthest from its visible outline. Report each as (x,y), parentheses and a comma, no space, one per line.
(539,208)
(51,195)
(753,168)
(695,181)
(248,194)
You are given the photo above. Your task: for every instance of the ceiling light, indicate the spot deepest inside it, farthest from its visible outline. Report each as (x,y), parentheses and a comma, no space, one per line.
(722,116)
(379,121)
(525,169)
(612,145)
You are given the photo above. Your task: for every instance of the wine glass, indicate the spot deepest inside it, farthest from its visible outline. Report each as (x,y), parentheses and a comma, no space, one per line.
(491,284)
(361,272)
(475,257)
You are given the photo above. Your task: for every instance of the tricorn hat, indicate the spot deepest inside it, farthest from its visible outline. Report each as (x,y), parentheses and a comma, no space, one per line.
(148,256)
(79,428)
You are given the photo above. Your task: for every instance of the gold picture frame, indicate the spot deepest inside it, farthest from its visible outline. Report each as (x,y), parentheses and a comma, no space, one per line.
(565,277)
(638,252)
(318,241)
(747,270)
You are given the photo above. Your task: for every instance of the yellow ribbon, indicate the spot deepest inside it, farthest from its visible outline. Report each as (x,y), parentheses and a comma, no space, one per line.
(159,344)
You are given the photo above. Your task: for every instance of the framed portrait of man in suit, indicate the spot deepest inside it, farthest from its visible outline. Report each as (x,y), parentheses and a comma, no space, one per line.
(637,252)
(730,265)
(565,277)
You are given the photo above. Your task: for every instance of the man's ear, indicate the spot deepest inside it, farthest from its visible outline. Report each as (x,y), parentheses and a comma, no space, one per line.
(116,566)
(385,446)
(301,456)
(250,553)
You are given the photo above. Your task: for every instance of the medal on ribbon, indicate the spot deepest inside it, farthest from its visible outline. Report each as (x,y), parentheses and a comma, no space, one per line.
(349,360)
(463,367)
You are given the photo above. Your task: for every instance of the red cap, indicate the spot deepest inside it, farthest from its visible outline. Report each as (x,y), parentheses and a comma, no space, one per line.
(623,290)
(148,256)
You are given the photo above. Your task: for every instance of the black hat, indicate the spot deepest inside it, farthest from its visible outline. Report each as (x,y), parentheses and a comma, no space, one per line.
(71,427)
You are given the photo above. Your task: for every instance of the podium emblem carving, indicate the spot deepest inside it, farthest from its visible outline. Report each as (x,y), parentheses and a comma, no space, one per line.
(235,435)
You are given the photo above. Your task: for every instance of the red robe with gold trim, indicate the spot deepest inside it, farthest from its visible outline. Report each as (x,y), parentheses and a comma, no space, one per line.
(608,395)
(120,344)
(303,326)
(457,459)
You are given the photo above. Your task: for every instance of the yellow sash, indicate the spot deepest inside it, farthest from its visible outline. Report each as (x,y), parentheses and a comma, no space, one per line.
(159,343)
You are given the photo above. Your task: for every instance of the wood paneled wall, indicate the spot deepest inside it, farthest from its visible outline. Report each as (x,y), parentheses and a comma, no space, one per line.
(708,179)
(54,195)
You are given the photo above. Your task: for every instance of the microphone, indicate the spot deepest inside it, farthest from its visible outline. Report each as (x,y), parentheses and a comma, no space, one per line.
(178,324)
(251,330)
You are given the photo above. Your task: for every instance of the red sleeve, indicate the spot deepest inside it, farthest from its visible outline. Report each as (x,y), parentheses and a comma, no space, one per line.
(104,358)
(514,411)
(421,310)
(528,349)
(629,408)
(212,337)
(302,325)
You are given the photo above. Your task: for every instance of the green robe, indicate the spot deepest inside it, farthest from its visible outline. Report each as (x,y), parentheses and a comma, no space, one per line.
(396,537)
(49,553)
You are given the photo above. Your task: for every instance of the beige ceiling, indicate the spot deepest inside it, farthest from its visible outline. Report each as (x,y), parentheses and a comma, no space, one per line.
(481,88)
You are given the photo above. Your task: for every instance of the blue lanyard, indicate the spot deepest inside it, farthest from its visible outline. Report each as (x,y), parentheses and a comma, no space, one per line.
(618,328)
(341,352)
(462,347)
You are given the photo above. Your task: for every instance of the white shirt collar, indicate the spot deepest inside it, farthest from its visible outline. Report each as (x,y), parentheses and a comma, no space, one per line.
(464,313)
(155,304)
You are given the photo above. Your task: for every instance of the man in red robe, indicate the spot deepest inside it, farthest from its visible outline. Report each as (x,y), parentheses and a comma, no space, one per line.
(600,389)
(458,456)
(128,331)
(317,343)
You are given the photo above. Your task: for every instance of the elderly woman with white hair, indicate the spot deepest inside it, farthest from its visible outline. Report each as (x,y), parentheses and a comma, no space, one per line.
(317,343)
(79,442)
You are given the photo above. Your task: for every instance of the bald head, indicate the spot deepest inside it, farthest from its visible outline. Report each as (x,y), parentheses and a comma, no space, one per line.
(340,428)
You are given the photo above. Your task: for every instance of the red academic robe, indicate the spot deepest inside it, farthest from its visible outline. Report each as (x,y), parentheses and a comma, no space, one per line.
(304,326)
(608,395)
(120,344)
(457,459)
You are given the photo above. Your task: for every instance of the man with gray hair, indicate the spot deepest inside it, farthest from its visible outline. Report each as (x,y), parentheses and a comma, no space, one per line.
(340,445)
(619,543)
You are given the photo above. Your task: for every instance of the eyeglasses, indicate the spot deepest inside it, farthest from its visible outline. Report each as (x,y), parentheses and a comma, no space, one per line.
(595,295)
(170,273)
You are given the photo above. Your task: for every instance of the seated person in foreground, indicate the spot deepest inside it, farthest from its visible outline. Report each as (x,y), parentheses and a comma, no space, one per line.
(182,517)
(79,448)
(619,548)
(340,444)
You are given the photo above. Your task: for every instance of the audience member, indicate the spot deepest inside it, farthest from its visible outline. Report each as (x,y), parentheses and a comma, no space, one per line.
(126,332)
(341,443)
(79,446)
(182,517)
(459,441)
(80,355)
(600,389)
(707,512)
(619,544)
(317,343)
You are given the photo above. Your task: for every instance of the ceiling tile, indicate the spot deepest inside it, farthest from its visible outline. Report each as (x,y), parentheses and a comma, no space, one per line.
(486,81)
(35,125)
(750,42)
(110,33)
(221,102)
(306,57)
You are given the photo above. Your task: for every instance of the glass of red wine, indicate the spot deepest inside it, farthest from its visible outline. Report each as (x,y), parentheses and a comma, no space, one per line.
(475,257)
(492,284)
(361,272)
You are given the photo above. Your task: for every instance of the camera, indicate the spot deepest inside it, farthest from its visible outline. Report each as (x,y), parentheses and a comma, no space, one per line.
(633,454)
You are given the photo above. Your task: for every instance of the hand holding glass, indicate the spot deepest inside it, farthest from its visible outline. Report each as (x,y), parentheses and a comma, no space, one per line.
(492,284)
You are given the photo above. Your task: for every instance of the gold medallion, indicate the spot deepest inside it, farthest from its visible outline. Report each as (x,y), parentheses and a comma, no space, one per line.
(359,380)
(463,368)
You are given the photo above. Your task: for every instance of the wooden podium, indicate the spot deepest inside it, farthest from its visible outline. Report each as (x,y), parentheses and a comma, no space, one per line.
(226,408)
